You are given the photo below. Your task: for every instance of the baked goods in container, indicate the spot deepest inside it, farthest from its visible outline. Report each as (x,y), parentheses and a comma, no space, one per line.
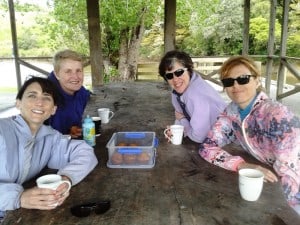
(129,158)
(122,144)
(116,158)
(143,158)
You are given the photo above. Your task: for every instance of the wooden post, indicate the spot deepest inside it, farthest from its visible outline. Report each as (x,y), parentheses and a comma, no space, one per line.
(170,25)
(95,42)
(14,41)
(269,66)
(246,27)
(284,34)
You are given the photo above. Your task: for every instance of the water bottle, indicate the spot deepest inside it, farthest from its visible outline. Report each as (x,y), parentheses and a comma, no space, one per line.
(88,130)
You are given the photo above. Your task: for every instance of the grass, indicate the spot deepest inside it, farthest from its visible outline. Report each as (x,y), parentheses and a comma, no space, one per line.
(5,90)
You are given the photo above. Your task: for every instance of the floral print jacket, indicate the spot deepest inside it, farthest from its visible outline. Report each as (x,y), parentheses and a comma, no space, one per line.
(270,133)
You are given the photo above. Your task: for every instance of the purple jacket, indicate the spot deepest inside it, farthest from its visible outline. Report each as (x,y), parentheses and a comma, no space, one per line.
(203,104)
(270,133)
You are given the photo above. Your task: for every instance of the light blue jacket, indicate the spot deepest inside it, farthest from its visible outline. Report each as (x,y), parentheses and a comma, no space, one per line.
(72,158)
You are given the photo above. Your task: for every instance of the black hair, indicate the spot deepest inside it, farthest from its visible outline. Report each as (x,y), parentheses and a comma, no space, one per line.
(46,85)
(167,62)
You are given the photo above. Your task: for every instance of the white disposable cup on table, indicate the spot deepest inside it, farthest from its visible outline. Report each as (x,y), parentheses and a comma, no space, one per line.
(105,114)
(250,184)
(176,134)
(52,181)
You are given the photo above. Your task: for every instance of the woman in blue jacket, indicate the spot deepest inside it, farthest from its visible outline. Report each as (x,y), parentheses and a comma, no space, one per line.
(68,76)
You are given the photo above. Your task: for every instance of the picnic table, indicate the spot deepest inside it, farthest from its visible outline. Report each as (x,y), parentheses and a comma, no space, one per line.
(181,188)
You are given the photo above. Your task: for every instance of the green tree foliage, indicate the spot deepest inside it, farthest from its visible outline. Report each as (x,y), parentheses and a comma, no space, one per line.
(203,27)
(67,26)
(259,34)
(120,18)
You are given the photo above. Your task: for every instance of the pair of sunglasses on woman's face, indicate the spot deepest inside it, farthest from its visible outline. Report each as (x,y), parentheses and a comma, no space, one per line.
(241,80)
(176,73)
(85,210)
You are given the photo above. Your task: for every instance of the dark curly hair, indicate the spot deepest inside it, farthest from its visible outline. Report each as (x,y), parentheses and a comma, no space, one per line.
(171,57)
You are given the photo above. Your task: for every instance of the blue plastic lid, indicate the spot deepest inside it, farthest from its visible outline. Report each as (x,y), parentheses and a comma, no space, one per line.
(135,135)
(130,150)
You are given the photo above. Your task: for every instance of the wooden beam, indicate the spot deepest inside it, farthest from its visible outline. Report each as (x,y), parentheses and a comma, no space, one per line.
(271,41)
(170,25)
(14,41)
(96,58)
(246,27)
(284,34)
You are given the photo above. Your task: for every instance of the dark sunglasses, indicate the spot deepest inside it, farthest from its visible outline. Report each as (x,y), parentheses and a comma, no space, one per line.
(243,79)
(86,209)
(177,73)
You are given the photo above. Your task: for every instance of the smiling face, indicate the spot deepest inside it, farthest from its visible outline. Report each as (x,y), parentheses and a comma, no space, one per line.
(70,75)
(179,84)
(242,94)
(35,106)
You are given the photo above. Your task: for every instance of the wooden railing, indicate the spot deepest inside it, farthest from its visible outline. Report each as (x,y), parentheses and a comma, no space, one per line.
(148,71)
(207,67)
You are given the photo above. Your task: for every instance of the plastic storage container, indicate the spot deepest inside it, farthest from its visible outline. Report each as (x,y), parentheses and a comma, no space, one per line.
(132,150)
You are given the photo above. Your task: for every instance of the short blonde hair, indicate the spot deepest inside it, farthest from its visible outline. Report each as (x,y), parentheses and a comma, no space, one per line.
(65,54)
(234,61)
(238,60)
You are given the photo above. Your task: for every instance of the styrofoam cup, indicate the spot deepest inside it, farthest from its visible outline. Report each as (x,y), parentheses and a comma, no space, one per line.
(250,184)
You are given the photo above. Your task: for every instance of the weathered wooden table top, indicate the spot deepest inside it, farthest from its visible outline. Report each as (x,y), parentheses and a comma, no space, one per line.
(181,188)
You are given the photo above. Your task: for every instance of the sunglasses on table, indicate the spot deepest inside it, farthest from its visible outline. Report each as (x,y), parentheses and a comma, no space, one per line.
(177,73)
(85,210)
(241,80)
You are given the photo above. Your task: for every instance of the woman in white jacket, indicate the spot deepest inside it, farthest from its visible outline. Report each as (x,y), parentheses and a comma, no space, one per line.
(26,137)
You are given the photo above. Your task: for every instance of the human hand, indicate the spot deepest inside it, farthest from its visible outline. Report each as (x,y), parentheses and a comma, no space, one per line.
(75,132)
(44,198)
(269,176)
(179,115)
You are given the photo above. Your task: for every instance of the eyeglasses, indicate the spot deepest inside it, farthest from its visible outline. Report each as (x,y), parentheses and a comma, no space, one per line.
(177,73)
(243,79)
(85,210)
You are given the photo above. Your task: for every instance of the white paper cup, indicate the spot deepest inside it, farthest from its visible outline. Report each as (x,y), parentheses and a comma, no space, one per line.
(105,114)
(176,134)
(51,181)
(250,184)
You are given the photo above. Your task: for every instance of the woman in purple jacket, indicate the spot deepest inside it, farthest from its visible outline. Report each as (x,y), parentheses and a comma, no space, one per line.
(197,104)
(266,129)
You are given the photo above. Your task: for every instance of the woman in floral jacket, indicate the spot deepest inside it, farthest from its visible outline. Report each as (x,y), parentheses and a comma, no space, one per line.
(264,128)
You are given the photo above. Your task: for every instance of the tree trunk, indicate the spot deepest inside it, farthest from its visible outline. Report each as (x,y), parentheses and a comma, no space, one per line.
(123,56)
(129,50)
(94,42)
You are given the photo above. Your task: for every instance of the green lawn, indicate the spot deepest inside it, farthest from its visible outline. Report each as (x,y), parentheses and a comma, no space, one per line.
(4,90)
